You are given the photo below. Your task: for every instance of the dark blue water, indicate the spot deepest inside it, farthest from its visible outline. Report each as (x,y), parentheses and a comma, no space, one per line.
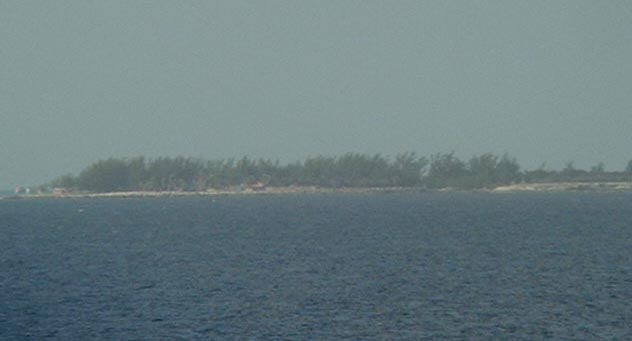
(383,266)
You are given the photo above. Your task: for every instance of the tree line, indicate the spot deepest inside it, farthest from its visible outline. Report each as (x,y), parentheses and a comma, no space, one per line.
(442,170)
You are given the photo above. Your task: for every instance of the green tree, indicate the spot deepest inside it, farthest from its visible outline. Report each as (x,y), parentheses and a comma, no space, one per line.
(67,181)
(105,176)
(508,170)
(541,174)
(598,168)
(137,173)
(408,170)
(446,170)
(482,171)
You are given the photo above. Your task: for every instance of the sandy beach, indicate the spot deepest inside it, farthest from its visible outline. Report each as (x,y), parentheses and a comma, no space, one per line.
(526,187)
(215,192)
(566,186)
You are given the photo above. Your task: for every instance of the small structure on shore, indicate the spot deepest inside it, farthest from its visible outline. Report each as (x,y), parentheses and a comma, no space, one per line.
(257,186)
(19,190)
(58,192)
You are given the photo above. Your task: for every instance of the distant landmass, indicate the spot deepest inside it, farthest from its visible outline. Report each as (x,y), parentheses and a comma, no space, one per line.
(348,171)
(4,193)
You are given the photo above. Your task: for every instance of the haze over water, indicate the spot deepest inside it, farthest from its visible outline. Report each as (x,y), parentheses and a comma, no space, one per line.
(546,81)
(417,266)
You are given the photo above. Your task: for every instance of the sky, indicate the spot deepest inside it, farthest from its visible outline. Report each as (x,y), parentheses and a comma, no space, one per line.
(545,81)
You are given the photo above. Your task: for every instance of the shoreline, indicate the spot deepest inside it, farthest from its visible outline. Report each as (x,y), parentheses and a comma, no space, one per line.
(566,187)
(213,192)
(515,188)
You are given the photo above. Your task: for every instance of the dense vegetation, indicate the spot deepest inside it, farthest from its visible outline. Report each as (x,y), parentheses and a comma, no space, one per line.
(349,170)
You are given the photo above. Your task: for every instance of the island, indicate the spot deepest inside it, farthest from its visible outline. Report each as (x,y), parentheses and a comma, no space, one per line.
(351,172)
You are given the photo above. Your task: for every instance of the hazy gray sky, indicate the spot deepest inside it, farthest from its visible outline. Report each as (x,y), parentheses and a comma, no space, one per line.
(86,80)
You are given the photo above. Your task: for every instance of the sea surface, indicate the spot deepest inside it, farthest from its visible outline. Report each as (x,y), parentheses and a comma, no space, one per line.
(390,266)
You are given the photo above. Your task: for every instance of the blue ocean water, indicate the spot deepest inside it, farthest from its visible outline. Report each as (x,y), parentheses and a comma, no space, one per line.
(392,266)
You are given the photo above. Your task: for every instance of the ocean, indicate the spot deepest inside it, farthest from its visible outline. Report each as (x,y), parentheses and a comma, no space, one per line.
(387,266)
